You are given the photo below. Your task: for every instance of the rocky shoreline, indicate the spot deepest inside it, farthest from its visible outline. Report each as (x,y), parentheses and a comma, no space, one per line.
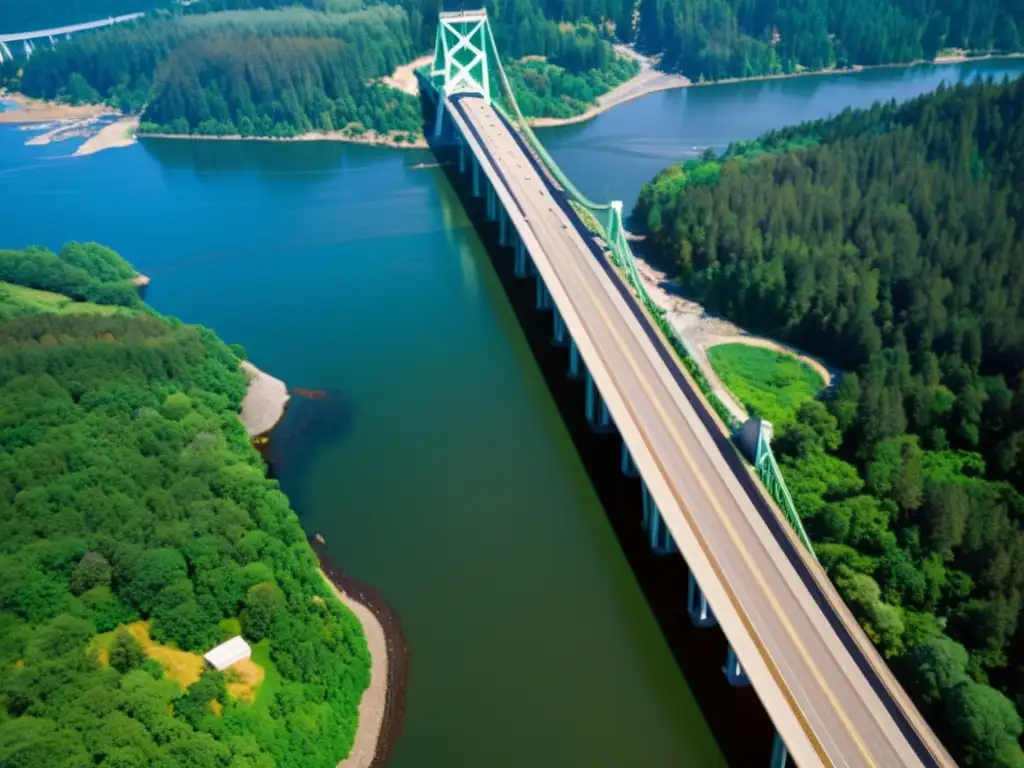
(391,711)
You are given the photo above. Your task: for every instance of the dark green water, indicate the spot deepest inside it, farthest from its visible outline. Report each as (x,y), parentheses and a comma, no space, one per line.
(451,483)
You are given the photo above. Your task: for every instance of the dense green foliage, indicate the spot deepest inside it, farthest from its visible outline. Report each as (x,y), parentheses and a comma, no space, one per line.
(714,39)
(548,89)
(129,490)
(85,272)
(890,243)
(771,385)
(294,70)
(256,73)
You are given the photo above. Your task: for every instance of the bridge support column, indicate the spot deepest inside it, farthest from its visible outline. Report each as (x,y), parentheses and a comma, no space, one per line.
(597,411)
(502,227)
(574,360)
(628,467)
(697,605)
(780,755)
(734,670)
(439,115)
(657,532)
(462,155)
(492,203)
(476,176)
(560,337)
(543,297)
(519,267)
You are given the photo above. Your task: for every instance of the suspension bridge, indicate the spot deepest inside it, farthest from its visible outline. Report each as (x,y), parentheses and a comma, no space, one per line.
(752,571)
(27,38)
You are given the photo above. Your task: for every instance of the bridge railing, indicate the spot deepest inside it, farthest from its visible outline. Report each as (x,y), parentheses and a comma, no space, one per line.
(605,221)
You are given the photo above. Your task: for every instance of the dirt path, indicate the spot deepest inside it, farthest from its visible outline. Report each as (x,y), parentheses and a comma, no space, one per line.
(700,331)
(264,401)
(374,701)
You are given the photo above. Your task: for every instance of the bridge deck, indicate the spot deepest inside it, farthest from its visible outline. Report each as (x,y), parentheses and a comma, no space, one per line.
(814,684)
(40,34)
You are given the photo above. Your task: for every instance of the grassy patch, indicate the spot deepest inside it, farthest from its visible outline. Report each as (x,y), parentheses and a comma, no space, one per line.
(229,628)
(769,384)
(182,667)
(244,680)
(271,677)
(55,303)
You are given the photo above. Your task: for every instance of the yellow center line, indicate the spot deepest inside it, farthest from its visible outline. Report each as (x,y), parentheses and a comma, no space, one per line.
(719,511)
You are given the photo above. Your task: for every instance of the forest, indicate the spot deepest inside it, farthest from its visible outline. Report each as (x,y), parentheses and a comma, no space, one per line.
(715,39)
(703,39)
(888,241)
(294,70)
(132,505)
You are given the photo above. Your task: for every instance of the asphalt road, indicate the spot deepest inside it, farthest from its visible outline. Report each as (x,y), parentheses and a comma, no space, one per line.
(812,682)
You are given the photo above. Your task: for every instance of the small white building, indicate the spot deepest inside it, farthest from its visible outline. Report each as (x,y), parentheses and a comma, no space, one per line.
(226,654)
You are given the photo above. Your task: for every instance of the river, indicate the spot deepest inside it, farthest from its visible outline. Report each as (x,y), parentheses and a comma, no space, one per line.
(439,468)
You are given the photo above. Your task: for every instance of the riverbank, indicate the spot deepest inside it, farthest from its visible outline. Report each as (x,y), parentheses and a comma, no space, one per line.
(264,402)
(857,68)
(369,137)
(382,707)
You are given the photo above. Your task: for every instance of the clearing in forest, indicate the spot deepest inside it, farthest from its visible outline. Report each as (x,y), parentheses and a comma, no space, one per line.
(182,667)
(58,303)
(769,384)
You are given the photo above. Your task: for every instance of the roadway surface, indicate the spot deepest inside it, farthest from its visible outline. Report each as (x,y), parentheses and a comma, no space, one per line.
(831,699)
(39,34)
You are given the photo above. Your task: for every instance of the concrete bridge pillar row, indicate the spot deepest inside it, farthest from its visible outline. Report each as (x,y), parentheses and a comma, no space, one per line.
(697,605)
(658,534)
(734,670)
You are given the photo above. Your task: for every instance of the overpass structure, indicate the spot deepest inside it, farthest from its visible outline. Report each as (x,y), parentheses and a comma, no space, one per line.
(53,33)
(829,694)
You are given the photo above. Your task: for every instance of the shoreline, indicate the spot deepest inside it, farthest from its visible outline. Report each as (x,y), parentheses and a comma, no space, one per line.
(599,108)
(370,138)
(385,698)
(38,111)
(118,134)
(264,402)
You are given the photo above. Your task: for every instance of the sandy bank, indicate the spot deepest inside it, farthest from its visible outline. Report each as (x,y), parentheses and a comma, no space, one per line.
(37,111)
(374,701)
(648,80)
(370,137)
(404,77)
(701,330)
(264,401)
(120,133)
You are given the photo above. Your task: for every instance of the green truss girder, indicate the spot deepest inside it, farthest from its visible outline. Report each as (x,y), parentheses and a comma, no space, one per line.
(466,61)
